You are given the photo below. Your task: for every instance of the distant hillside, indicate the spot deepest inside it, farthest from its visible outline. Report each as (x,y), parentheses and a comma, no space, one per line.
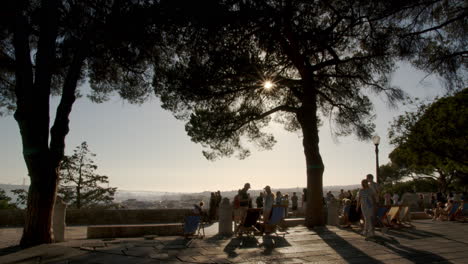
(122,195)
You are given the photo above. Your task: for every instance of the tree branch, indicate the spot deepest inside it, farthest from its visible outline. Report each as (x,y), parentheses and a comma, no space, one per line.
(285,108)
(60,128)
(23,64)
(447,22)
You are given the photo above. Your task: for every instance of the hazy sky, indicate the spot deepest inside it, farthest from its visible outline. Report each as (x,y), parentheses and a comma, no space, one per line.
(145,148)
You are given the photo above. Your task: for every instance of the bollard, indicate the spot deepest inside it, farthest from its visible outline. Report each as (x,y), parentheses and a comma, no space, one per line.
(225,218)
(58,222)
(332,215)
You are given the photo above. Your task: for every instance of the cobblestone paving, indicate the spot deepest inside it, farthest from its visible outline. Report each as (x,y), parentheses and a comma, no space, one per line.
(425,242)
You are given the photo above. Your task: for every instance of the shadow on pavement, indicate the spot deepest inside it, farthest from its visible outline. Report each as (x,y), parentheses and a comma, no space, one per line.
(411,233)
(272,242)
(240,242)
(414,255)
(9,250)
(343,248)
(269,244)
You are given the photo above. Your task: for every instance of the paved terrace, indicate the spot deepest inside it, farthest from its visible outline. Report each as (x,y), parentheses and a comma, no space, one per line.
(425,242)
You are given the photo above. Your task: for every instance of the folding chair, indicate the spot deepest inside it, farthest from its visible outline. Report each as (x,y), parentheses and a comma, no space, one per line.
(193,226)
(247,224)
(380,216)
(451,215)
(404,216)
(276,221)
(392,216)
(462,213)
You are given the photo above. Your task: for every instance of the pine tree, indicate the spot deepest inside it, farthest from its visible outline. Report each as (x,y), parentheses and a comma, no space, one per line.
(80,186)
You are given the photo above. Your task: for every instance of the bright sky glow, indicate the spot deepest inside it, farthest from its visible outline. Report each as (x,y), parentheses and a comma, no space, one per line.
(146,148)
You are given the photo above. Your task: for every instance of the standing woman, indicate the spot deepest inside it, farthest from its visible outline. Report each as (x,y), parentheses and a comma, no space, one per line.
(269,201)
(367,203)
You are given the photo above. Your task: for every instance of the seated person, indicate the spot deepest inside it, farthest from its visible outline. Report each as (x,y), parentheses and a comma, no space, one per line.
(444,214)
(436,212)
(198,208)
(344,218)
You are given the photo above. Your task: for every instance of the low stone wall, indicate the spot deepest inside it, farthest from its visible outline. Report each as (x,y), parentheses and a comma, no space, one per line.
(12,217)
(103,217)
(112,231)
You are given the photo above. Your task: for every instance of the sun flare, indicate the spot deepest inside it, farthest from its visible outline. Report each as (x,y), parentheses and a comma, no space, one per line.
(268,85)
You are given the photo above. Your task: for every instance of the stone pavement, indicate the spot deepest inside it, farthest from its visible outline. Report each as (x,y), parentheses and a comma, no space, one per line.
(425,242)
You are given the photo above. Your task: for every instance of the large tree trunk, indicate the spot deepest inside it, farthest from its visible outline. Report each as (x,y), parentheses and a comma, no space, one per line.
(32,115)
(41,200)
(307,117)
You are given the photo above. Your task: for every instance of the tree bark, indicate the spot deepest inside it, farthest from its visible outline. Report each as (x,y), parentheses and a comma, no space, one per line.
(38,224)
(307,117)
(32,116)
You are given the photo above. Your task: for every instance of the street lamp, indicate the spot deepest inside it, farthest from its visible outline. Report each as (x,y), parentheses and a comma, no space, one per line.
(376,140)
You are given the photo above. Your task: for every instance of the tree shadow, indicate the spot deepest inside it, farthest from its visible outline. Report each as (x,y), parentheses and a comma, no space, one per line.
(391,243)
(414,255)
(271,242)
(9,250)
(345,249)
(411,233)
(240,242)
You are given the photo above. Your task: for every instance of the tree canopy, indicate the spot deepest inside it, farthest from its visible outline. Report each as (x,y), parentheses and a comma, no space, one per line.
(433,36)
(432,140)
(323,59)
(51,47)
(217,79)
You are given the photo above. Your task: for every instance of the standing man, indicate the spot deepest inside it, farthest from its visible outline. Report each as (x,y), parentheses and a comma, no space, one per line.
(294,200)
(259,200)
(213,207)
(218,202)
(341,196)
(244,200)
(373,186)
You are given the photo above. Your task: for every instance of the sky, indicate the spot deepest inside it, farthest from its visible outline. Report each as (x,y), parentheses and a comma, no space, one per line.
(143,147)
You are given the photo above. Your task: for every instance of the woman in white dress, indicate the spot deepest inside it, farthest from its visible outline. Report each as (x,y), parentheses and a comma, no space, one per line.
(367,203)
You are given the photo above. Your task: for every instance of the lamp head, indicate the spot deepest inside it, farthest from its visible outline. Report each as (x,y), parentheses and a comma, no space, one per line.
(376,140)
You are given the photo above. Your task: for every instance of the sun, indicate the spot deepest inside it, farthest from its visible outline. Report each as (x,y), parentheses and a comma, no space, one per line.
(268,85)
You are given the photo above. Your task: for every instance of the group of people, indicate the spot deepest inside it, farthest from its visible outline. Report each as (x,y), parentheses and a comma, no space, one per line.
(442,205)
(265,201)
(215,201)
(364,204)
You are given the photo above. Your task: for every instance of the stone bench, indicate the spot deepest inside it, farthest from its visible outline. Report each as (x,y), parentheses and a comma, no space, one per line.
(419,215)
(290,222)
(112,231)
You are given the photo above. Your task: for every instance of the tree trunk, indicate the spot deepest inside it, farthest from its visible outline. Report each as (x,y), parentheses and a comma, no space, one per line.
(41,200)
(307,117)
(32,114)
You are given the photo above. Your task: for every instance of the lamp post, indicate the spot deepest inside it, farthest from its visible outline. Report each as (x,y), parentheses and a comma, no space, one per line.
(376,141)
